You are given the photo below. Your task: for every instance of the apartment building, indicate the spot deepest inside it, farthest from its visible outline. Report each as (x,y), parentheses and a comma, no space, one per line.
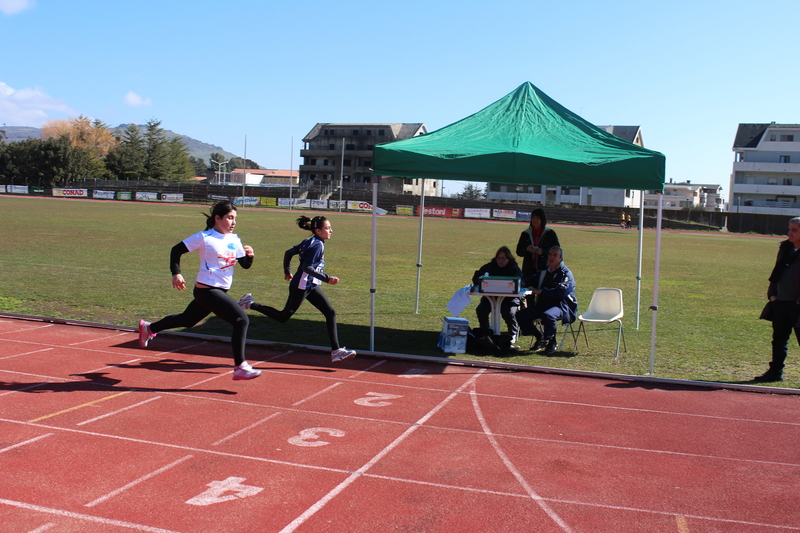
(559,195)
(342,152)
(766,169)
(687,195)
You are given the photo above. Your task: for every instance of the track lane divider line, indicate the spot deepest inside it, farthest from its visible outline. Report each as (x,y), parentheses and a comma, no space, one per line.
(135,482)
(87,404)
(510,466)
(308,513)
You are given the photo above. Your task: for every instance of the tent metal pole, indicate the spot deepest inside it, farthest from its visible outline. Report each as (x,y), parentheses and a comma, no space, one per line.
(372,282)
(419,247)
(654,307)
(639,266)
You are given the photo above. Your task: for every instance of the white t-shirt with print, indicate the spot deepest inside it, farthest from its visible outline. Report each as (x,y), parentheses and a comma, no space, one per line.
(218,255)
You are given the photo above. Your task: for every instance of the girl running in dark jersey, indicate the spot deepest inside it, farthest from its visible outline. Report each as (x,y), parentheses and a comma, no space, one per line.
(305,283)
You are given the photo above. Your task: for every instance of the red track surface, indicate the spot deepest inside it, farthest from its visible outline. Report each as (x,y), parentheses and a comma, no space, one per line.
(97,434)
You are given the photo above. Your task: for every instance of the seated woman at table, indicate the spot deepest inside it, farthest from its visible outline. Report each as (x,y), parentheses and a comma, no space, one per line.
(503,264)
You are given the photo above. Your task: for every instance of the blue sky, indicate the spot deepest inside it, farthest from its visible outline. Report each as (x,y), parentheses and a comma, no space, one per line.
(686,72)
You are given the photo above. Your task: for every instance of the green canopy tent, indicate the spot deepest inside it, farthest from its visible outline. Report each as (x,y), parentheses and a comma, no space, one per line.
(525,138)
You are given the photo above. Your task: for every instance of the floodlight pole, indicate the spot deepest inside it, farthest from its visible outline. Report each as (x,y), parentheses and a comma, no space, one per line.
(291,166)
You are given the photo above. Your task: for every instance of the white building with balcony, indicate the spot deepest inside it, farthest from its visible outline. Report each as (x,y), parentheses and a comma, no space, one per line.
(766,170)
(687,196)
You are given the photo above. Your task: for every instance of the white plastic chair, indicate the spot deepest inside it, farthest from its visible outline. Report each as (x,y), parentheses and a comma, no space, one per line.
(605,308)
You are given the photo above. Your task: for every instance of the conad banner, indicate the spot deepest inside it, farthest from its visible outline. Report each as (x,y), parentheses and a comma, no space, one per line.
(103,195)
(472,212)
(364,206)
(440,211)
(147,196)
(73,193)
(165,197)
(504,213)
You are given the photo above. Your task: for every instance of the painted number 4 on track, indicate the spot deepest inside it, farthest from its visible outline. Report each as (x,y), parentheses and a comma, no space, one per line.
(223,491)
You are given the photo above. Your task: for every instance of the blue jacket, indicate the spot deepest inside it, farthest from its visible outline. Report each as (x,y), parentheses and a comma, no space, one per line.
(558,290)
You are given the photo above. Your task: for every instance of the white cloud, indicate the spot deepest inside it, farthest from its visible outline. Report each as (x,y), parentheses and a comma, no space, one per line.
(29,107)
(12,7)
(134,100)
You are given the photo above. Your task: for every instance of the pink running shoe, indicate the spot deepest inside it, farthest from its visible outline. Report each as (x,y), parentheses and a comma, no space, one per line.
(144,333)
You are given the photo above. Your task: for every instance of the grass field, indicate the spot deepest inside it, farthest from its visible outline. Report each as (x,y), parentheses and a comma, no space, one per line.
(109,262)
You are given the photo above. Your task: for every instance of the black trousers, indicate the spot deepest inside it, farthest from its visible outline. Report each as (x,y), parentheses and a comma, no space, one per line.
(206,301)
(784,319)
(316,298)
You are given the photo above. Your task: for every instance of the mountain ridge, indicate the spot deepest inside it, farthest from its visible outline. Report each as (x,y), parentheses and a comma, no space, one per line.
(197,149)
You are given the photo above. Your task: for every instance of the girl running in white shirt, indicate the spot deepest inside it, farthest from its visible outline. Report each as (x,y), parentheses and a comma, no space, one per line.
(305,283)
(220,249)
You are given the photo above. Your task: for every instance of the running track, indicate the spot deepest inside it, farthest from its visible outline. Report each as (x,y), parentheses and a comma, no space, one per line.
(98,435)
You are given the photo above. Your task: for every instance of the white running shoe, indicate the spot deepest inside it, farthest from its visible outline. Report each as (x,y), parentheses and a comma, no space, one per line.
(144,333)
(342,354)
(246,301)
(245,371)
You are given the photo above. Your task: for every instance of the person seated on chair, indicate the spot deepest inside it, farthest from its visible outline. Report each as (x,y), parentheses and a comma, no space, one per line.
(552,299)
(503,264)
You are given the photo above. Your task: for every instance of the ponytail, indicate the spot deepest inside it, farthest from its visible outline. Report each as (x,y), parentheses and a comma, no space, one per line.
(220,209)
(311,224)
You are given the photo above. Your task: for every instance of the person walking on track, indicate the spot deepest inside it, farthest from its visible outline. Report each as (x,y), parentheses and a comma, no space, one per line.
(305,283)
(220,250)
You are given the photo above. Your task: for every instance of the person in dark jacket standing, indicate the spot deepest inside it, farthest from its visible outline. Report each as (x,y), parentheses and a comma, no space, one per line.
(505,265)
(534,244)
(783,308)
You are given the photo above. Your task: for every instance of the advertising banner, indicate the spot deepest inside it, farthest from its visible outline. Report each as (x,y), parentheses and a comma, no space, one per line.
(358,206)
(71,193)
(338,205)
(103,195)
(124,195)
(17,189)
(504,213)
(249,201)
(171,197)
(269,202)
(404,209)
(319,204)
(37,190)
(292,202)
(2,188)
(524,216)
(147,196)
(441,211)
(471,212)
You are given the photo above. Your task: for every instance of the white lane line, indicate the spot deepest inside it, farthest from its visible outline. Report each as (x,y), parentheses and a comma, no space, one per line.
(118,411)
(29,441)
(308,513)
(135,482)
(43,528)
(248,428)
(323,391)
(510,466)
(99,339)
(26,353)
(368,369)
(86,517)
